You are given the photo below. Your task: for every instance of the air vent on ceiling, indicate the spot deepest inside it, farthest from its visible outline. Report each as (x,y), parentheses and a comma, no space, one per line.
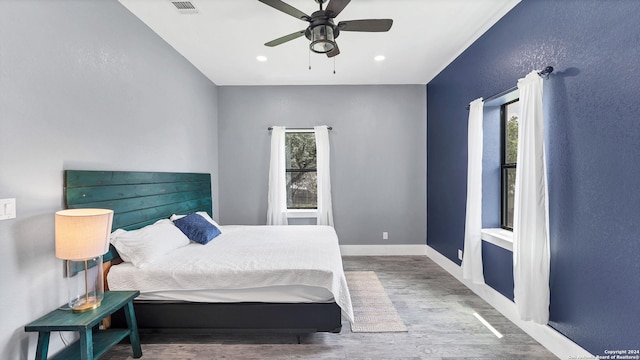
(185,7)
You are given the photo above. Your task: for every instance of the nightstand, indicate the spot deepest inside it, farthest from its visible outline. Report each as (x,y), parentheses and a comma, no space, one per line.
(93,342)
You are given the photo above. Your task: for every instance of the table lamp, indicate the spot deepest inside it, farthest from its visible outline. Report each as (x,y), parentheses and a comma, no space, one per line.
(82,237)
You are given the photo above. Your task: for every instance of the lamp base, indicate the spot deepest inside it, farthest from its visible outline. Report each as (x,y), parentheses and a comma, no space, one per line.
(86,286)
(83,305)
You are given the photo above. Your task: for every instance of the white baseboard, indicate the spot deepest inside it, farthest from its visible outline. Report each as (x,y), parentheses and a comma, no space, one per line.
(382,250)
(558,344)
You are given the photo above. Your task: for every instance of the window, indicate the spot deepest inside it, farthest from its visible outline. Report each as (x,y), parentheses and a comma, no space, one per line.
(302,176)
(509,115)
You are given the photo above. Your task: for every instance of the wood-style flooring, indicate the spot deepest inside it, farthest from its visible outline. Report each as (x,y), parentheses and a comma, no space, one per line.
(436,308)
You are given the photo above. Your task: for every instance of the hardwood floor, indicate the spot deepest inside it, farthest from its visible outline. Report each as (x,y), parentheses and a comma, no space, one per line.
(436,308)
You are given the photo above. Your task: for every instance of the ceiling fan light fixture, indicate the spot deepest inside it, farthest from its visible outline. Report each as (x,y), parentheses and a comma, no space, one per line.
(322,39)
(322,31)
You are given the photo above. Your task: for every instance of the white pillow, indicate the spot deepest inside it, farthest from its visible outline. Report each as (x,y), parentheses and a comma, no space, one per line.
(204,214)
(146,245)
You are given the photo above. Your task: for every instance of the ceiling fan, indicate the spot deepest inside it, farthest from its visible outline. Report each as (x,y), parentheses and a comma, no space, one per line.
(322,31)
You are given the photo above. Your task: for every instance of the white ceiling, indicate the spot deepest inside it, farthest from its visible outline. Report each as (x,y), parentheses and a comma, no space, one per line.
(223,39)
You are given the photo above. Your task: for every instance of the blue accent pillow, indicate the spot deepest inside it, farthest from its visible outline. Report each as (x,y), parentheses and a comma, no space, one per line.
(197,228)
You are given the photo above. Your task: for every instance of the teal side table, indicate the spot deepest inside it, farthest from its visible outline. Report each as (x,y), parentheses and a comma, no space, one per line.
(92,344)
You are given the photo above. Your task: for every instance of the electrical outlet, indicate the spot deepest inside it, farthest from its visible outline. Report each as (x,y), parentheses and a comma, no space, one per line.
(385,235)
(459,254)
(7,209)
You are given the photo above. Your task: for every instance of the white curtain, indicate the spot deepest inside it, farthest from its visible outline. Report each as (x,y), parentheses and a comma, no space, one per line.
(472,259)
(531,256)
(325,210)
(277,197)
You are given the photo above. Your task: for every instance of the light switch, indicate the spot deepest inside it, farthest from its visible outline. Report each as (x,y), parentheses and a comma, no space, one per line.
(7,209)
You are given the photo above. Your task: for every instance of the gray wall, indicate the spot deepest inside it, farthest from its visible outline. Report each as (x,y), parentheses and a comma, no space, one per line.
(378,155)
(83,85)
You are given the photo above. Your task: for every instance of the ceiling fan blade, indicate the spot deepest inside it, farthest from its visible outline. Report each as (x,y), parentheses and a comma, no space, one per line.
(335,7)
(287,9)
(333,52)
(285,38)
(369,25)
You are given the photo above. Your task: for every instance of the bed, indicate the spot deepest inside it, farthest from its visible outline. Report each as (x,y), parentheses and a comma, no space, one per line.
(297,284)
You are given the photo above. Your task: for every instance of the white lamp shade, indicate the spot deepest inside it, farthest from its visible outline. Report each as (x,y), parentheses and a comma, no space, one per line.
(82,233)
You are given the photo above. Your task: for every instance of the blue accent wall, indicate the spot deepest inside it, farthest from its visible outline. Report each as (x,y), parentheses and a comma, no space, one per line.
(498,269)
(592,107)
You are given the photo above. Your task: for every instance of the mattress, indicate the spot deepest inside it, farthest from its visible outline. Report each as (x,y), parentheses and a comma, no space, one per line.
(300,263)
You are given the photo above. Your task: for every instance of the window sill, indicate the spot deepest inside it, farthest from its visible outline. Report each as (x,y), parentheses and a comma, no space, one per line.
(499,237)
(302,213)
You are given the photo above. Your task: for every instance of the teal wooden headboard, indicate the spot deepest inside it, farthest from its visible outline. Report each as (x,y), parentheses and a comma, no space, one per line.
(137,198)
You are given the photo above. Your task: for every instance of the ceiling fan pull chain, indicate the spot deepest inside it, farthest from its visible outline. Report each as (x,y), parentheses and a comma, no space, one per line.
(334,65)
(309,59)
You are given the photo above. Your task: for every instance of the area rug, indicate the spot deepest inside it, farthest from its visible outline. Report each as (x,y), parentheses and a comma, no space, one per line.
(373,311)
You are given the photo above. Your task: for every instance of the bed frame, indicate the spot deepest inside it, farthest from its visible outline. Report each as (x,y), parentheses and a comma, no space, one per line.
(142,198)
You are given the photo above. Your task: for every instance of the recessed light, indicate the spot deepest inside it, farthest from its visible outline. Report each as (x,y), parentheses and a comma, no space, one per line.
(379,58)
(261,58)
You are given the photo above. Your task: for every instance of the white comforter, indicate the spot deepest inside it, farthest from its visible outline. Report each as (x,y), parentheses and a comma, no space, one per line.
(246,257)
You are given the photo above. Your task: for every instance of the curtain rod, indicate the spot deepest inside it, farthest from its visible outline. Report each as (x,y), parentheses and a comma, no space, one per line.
(271,128)
(544,74)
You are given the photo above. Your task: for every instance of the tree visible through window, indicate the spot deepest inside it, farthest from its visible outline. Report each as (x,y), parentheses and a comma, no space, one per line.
(510,113)
(302,176)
